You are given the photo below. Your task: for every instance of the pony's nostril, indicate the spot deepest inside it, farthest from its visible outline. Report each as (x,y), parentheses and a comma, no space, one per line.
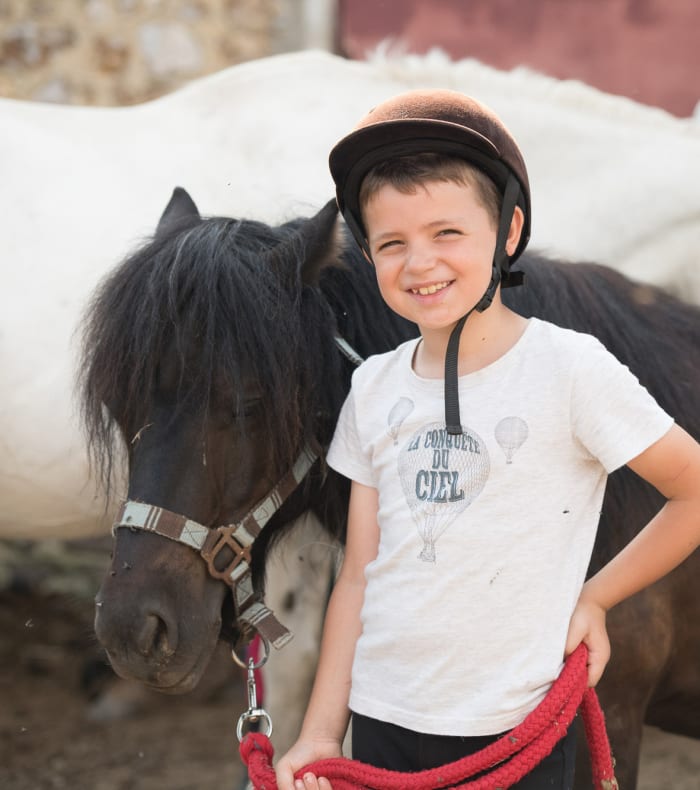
(155,638)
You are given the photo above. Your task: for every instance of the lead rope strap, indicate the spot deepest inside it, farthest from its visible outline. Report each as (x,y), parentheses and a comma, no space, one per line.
(509,759)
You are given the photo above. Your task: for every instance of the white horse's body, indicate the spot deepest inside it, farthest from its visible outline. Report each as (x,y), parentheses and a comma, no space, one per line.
(612,181)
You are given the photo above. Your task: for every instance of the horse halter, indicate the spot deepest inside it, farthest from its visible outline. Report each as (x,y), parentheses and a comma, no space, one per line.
(237,538)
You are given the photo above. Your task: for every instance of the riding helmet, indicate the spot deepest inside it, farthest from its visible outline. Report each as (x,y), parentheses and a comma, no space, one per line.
(421,121)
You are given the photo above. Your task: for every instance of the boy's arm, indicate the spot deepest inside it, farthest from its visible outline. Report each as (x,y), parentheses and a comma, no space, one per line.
(671,465)
(327,715)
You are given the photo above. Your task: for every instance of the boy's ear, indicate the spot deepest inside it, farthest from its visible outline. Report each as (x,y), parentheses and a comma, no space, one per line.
(516,229)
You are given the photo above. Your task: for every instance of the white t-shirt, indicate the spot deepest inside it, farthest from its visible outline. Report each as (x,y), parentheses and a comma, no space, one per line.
(485,538)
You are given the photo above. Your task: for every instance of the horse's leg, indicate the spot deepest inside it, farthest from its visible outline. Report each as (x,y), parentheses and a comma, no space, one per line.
(624,725)
(300,572)
(675,705)
(640,636)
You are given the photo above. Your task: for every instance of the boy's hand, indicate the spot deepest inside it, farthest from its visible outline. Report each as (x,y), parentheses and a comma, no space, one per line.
(587,625)
(301,754)
(310,782)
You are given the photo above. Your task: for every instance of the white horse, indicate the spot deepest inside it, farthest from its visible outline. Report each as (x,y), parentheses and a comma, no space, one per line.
(612,181)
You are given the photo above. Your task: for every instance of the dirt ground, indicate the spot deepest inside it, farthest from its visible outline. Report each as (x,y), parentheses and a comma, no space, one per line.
(51,735)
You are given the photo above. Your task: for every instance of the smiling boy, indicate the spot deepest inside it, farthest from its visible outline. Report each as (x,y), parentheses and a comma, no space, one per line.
(478,455)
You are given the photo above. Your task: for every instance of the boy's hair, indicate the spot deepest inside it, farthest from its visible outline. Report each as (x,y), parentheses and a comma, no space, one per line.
(406,173)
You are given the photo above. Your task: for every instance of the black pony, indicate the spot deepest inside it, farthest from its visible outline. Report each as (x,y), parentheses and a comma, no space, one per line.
(213,353)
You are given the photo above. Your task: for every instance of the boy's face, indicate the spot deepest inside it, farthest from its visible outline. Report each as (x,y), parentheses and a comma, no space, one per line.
(433,250)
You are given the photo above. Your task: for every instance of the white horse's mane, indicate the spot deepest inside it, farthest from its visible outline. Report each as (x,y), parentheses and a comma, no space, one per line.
(437,68)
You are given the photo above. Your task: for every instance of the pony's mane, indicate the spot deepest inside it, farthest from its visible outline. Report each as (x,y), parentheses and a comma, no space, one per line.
(210,298)
(653,332)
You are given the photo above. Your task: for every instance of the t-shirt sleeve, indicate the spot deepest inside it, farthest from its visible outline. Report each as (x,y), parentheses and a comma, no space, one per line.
(346,454)
(613,416)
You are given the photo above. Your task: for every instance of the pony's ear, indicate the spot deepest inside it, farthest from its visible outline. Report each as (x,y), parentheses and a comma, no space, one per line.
(179,207)
(322,237)
(316,243)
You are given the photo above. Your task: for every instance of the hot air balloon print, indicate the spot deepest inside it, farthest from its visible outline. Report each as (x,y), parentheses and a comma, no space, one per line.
(399,411)
(441,475)
(511,433)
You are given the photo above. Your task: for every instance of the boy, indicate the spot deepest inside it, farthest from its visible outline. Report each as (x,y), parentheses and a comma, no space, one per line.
(462,586)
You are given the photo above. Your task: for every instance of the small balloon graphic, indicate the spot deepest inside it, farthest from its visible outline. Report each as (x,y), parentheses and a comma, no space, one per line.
(511,433)
(441,475)
(399,411)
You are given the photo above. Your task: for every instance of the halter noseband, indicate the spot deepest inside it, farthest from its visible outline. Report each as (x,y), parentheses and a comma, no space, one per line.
(238,538)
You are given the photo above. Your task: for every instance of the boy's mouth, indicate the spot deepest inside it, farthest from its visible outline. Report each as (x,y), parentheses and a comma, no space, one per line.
(430,289)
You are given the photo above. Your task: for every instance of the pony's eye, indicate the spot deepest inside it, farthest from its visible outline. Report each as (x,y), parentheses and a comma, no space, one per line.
(250,408)
(247,407)
(226,415)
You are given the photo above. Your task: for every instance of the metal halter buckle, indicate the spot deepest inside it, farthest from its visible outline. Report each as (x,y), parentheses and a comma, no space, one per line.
(226,540)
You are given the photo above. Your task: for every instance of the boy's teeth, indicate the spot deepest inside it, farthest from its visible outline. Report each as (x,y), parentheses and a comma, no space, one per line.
(430,289)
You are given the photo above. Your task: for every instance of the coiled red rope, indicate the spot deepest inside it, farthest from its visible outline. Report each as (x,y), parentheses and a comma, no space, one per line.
(507,760)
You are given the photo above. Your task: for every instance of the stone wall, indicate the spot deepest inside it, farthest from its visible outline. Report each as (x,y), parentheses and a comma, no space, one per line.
(117,52)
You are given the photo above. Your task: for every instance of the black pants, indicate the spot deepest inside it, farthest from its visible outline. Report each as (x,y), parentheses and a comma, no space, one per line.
(398,749)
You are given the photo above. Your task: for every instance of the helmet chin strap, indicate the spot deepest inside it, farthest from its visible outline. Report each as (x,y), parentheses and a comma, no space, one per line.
(499,269)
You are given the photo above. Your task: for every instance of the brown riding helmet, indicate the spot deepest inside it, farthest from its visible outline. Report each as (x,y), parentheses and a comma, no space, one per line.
(428,121)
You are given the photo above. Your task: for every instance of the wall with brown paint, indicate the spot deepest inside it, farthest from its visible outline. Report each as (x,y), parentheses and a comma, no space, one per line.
(648,50)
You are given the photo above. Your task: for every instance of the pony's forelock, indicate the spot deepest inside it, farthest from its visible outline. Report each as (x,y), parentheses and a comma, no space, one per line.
(223,302)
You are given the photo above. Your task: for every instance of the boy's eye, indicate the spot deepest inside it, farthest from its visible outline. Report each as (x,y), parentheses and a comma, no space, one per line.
(388,244)
(447,231)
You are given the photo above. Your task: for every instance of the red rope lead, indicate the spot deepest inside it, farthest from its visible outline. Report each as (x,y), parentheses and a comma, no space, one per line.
(507,760)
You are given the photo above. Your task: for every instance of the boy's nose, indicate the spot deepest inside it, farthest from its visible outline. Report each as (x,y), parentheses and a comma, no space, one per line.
(420,259)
